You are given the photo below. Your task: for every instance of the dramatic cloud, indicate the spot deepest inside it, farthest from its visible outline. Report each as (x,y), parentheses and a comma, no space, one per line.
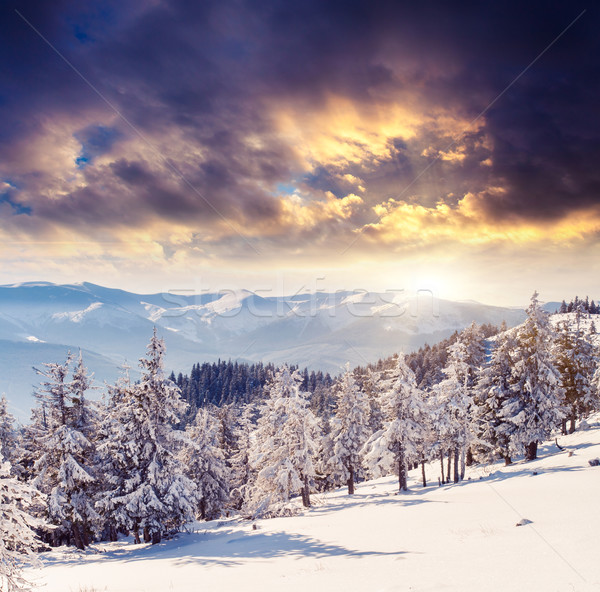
(213,135)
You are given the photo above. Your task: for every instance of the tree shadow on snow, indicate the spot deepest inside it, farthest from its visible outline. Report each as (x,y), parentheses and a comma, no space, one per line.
(226,548)
(400,499)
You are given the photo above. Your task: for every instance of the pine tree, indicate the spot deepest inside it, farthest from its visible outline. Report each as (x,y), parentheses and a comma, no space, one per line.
(285,444)
(350,428)
(146,488)
(398,443)
(536,406)
(495,388)
(576,362)
(327,475)
(453,408)
(64,454)
(203,457)
(18,540)
(241,470)
(9,441)
(368,383)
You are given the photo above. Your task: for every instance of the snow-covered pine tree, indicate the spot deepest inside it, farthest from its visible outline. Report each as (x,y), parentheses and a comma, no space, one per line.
(473,338)
(147,488)
(18,540)
(284,446)
(536,407)
(241,470)
(116,451)
(398,442)
(205,464)
(454,406)
(495,388)
(576,361)
(9,441)
(64,456)
(369,384)
(326,475)
(350,428)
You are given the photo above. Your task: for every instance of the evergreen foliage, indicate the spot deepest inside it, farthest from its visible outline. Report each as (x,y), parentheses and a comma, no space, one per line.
(397,443)
(146,487)
(536,405)
(18,538)
(350,428)
(284,447)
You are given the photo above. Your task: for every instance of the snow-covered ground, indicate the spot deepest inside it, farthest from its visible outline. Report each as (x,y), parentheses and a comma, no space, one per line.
(455,537)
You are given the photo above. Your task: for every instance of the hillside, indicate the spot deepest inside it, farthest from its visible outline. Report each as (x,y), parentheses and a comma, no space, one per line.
(40,321)
(456,537)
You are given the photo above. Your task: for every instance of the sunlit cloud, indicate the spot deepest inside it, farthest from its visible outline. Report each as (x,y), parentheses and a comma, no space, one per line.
(294,135)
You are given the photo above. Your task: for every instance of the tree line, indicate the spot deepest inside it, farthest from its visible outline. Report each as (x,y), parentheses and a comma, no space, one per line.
(236,383)
(86,470)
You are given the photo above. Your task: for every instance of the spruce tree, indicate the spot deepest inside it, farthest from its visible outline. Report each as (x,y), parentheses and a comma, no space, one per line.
(576,362)
(495,388)
(535,407)
(9,441)
(204,460)
(453,408)
(285,444)
(398,443)
(350,429)
(18,539)
(61,443)
(146,488)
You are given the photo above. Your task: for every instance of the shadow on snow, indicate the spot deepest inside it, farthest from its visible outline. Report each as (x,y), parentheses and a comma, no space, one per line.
(228,547)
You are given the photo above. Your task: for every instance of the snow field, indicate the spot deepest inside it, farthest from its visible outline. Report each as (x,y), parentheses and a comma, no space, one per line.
(456,537)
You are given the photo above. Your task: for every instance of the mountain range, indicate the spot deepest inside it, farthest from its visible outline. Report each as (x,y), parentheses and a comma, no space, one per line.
(40,322)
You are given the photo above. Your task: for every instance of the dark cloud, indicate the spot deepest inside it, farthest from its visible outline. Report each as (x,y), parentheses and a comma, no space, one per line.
(207,74)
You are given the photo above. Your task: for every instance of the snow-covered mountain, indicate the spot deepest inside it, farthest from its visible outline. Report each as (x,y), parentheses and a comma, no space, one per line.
(40,321)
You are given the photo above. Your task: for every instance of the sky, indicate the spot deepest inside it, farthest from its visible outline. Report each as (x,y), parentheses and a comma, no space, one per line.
(283,146)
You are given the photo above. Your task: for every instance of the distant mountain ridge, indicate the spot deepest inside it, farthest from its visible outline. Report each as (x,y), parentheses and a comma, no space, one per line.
(40,321)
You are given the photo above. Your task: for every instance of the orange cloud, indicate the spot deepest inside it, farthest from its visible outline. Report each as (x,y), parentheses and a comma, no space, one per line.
(342,131)
(404,223)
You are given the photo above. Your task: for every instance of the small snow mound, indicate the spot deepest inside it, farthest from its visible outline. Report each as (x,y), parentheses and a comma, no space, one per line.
(523,522)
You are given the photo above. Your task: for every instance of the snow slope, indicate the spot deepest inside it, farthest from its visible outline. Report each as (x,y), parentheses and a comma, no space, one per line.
(455,537)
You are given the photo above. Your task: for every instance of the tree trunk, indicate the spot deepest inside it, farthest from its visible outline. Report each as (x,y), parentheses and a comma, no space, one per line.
(202,508)
(85,536)
(77,538)
(456,479)
(112,533)
(470,459)
(462,464)
(564,427)
(442,464)
(306,494)
(423,473)
(402,480)
(531,451)
(146,535)
(507,460)
(136,535)
(156,537)
(449,466)
(572,426)
(350,481)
